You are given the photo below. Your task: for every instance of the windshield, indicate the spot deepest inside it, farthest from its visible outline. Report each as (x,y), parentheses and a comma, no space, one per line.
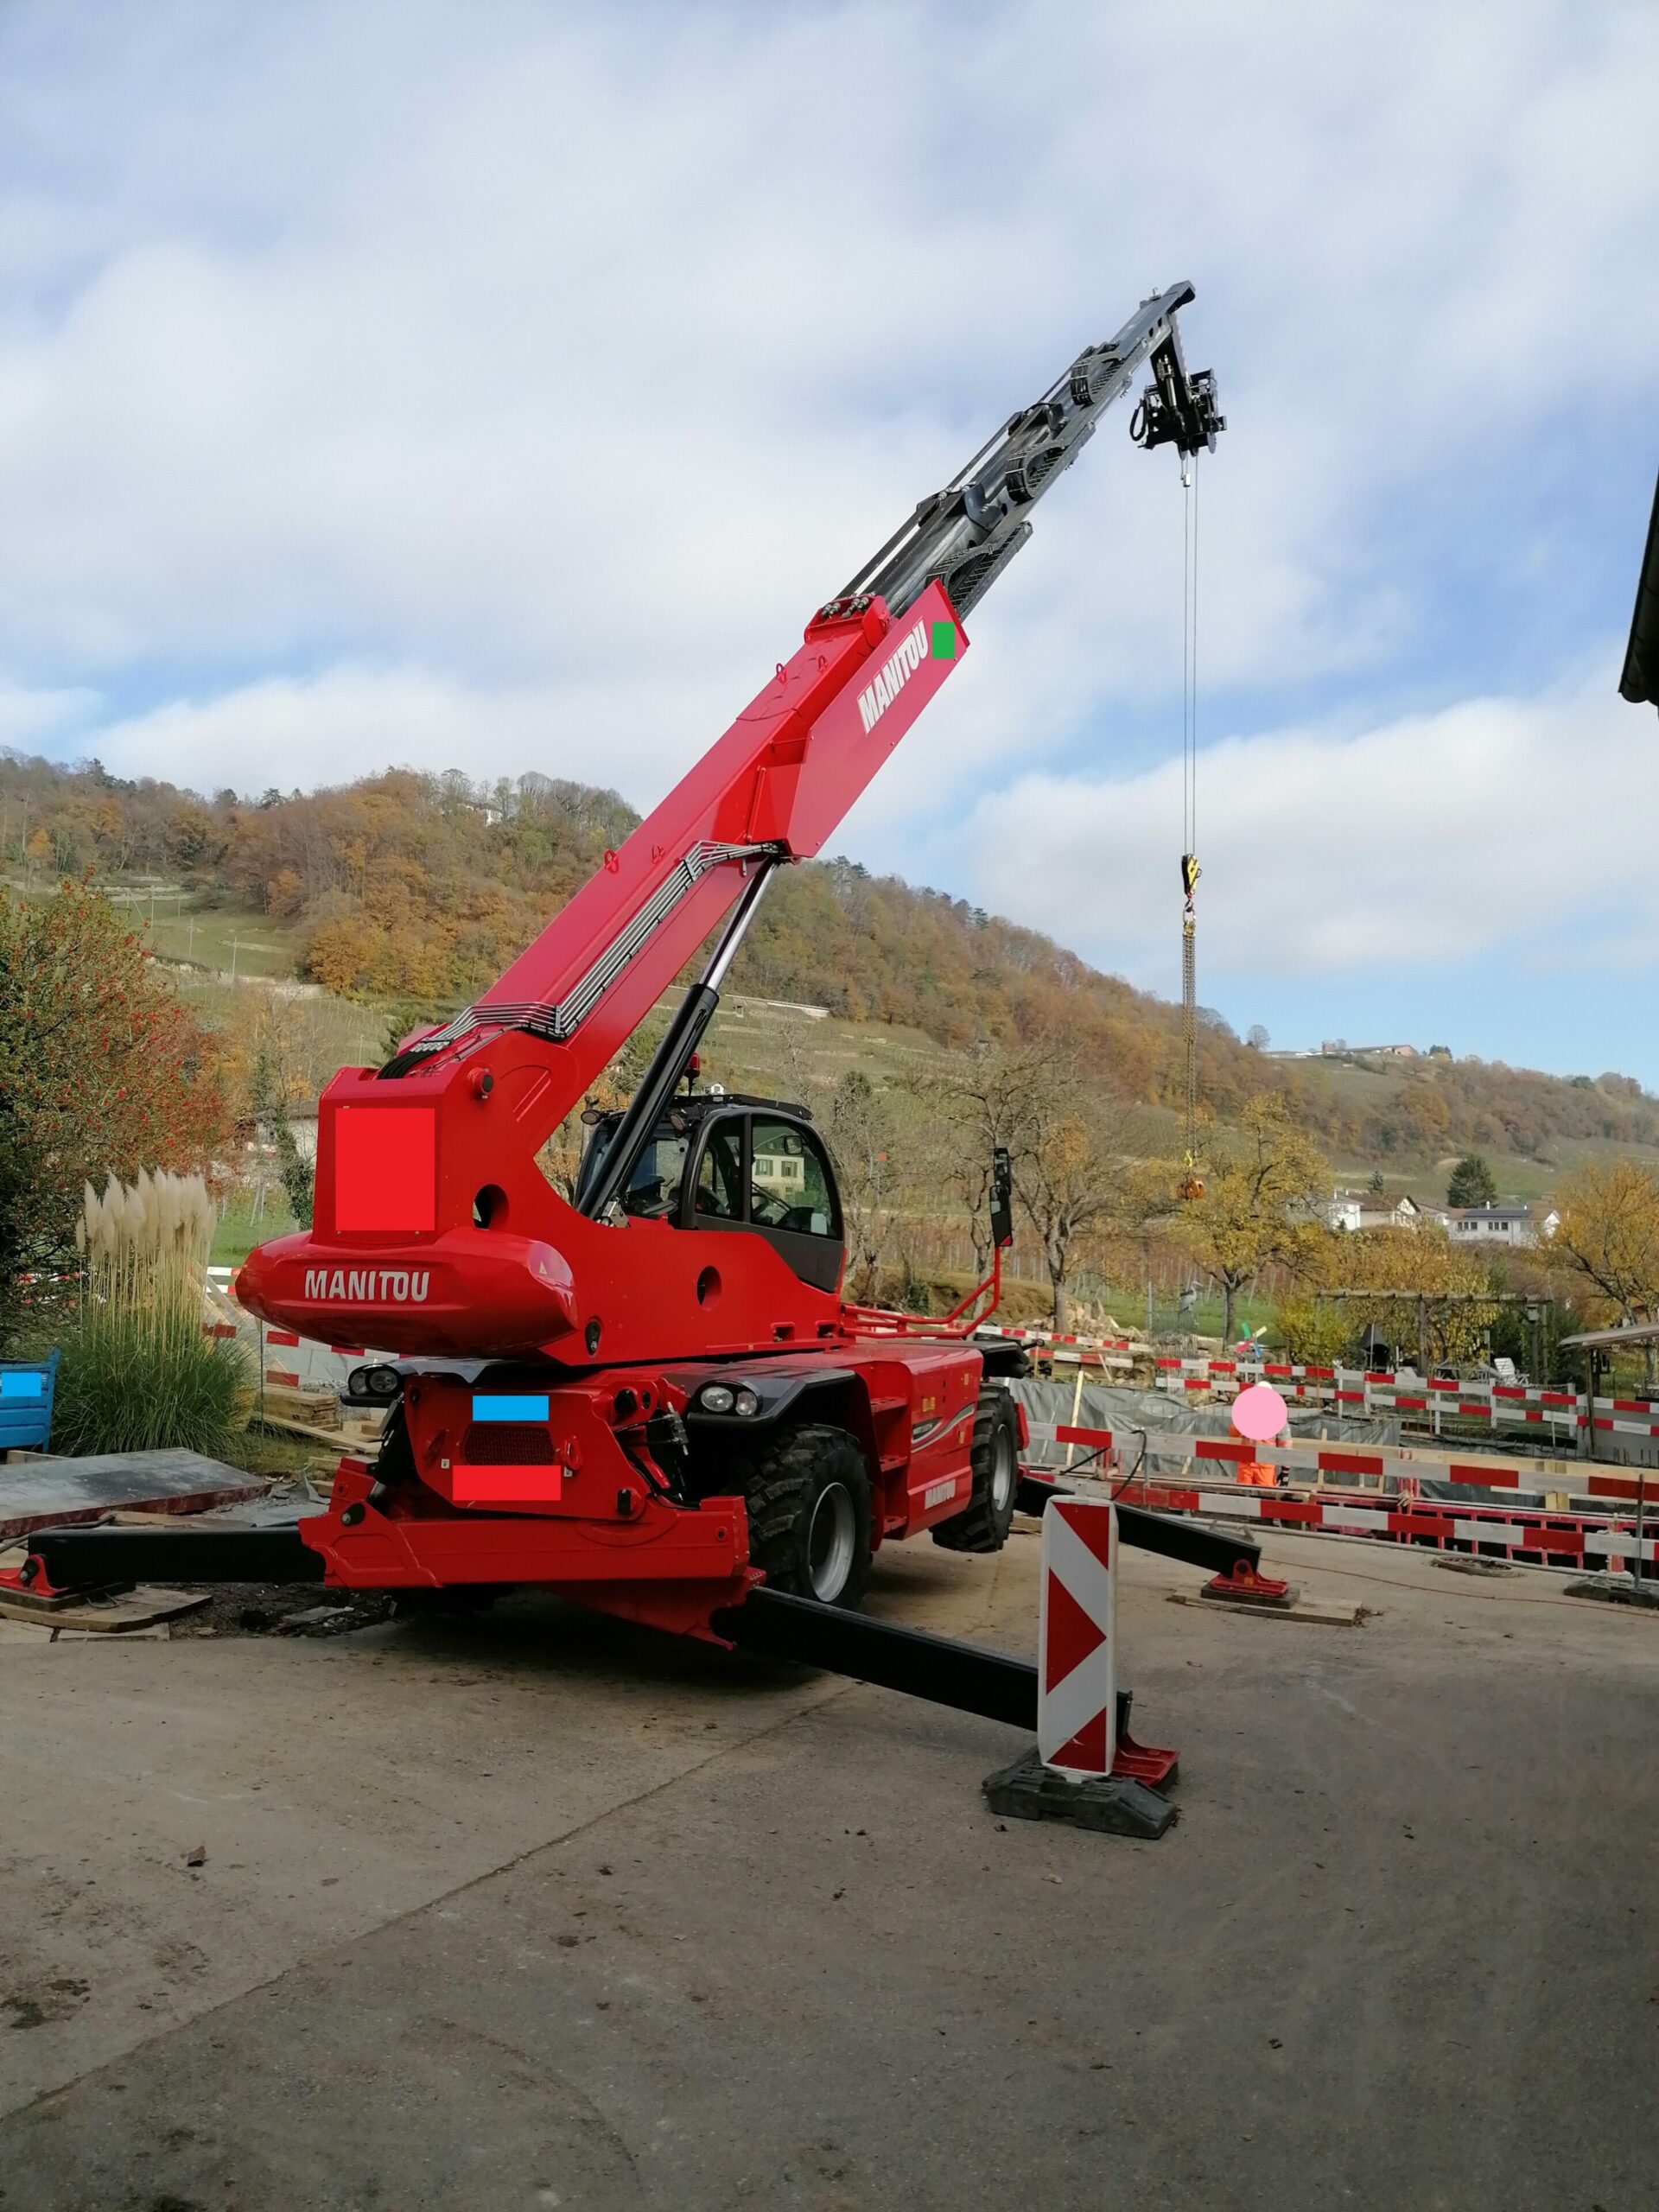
(654,1188)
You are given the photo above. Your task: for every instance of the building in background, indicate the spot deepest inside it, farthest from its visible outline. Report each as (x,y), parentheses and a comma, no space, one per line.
(1502,1224)
(1352,1210)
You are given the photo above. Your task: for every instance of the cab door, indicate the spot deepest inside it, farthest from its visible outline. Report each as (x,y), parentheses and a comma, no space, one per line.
(791,1196)
(769,1173)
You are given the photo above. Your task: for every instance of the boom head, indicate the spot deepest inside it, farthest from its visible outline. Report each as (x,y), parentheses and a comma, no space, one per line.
(964,536)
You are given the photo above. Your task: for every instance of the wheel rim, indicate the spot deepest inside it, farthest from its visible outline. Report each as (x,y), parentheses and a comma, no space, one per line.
(1003,1471)
(830,1542)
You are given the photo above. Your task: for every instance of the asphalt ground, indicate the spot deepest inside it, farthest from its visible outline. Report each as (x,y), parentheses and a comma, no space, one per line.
(542,1912)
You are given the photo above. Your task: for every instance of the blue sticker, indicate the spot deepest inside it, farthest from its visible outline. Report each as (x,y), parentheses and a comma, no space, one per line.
(510,1408)
(32,1385)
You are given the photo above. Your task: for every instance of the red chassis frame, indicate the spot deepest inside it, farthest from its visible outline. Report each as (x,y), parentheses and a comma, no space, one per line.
(590,1513)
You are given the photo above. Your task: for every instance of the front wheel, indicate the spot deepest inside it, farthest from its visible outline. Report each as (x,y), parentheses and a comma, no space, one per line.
(808,1498)
(983,1523)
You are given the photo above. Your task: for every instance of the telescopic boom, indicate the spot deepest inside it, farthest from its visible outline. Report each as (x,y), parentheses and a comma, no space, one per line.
(433,1228)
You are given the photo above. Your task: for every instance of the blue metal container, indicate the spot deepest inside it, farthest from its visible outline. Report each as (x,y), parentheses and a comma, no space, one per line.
(26,1387)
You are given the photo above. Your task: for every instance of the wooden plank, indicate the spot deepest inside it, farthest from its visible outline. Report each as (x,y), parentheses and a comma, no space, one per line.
(1321,1616)
(122,1614)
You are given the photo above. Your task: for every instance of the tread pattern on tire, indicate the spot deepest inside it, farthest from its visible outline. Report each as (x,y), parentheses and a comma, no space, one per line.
(780,1482)
(978,1527)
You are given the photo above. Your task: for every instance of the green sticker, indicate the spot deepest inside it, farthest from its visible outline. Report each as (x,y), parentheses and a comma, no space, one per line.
(944,641)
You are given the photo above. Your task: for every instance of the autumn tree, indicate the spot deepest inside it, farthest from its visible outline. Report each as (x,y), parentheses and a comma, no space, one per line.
(102,1070)
(1471,1183)
(1413,1287)
(1608,1239)
(1262,1189)
(1320,1332)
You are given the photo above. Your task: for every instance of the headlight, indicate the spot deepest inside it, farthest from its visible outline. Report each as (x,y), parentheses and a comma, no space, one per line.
(715,1398)
(384,1383)
(746,1403)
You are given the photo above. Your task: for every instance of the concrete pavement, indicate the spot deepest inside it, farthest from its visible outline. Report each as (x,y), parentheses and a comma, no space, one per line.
(544,1912)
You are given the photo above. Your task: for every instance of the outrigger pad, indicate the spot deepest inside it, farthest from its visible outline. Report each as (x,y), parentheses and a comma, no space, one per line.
(1109,1805)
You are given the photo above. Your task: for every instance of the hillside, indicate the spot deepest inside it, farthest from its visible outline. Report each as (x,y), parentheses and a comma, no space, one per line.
(412,892)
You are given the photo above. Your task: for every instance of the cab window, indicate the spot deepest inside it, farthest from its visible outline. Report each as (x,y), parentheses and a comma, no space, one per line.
(720,1174)
(789,1184)
(653,1191)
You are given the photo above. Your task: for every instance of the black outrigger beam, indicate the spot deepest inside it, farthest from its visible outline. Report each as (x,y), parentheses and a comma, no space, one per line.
(1212,1548)
(772,1624)
(69,1556)
(84,1555)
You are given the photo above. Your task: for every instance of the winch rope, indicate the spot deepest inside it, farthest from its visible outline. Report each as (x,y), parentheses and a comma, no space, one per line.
(1190,809)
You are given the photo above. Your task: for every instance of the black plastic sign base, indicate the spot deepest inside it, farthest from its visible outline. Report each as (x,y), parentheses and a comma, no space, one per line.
(1111,1805)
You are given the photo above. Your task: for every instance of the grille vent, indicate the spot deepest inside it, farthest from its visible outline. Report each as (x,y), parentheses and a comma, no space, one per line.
(507,1443)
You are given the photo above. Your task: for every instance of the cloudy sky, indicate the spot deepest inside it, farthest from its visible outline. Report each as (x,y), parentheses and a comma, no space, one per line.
(500,386)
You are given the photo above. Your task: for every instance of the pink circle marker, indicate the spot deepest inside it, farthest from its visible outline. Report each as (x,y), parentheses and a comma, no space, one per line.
(1260,1412)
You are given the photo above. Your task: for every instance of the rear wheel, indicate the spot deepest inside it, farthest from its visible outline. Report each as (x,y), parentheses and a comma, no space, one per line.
(808,1498)
(983,1523)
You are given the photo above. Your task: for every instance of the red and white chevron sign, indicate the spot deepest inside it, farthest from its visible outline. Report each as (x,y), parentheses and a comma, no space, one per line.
(1077,1707)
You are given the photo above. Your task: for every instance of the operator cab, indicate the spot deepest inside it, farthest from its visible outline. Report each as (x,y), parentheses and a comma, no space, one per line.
(717,1159)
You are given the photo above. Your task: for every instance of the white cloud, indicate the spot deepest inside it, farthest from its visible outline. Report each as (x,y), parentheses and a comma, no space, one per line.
(32,719)
(1498,824)
(299,733)
(502,387)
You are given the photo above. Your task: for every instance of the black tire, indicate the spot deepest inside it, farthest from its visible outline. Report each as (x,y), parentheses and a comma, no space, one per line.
(983,1523)
(808,1498)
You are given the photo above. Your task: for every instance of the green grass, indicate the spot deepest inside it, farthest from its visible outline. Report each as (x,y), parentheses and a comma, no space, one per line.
(1518,1179)
(221,940)
(216,938)
(269,1452)
(238,1232)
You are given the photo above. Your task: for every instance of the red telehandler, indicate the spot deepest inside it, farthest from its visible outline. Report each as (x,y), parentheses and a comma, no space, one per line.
(652,1397)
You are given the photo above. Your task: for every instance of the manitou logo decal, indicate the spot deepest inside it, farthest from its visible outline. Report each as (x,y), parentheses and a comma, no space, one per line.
(914,647)
(397,1285)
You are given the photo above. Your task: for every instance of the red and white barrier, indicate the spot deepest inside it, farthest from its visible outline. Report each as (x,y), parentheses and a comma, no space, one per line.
(1355,1390)
(1537,1534)
(1076,1702)
(284,1360)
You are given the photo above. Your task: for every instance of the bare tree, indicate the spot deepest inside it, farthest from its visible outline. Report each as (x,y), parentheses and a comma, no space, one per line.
(1067,1173)
(978,1110)
(861,1131)
(1069,1177)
